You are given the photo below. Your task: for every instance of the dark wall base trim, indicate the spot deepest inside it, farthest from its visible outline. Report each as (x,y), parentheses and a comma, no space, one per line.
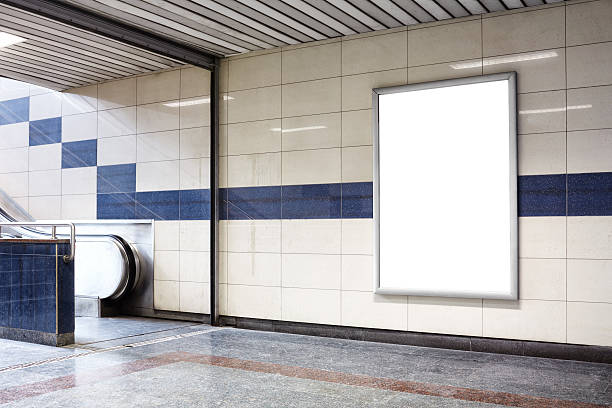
(32,336)
(596,354)
(165,314)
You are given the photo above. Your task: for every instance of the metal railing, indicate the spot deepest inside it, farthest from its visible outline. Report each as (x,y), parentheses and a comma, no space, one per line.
(67,258)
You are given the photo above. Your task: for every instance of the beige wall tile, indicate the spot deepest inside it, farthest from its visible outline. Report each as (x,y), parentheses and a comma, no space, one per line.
(357,128)
(542,279)
(194,266)
(82,126)
(589,280)
(157,176)
(195,82)
(542,237)
(536,320)
(117,122)
(449,42)
(314,62)
(15,135)
(194,174)
(445,315)
(311,271)
(14,160)
(312,97)
(254,137)
(158,87)
(589,151)
(157,117)
(117,94)
(195,142)
(15,184)
(530,31)
(79,207)
(445,70)
(194,112)
(253,268)
(254,236)
(166,235)
(194,297)
(312,132)
(311,236)
(263,302)
(589,22)
(589,65)
(357,272)
(357,164)
(311,305)
(194,235)
(116,150)
(254,170)
(223,299)
(589,237)
(537,71)
(166,295)
(80,180)
(589,108)
(311,166)
(541,153)
(541,112)
(357,89)
(45,207)
(363,309)
(254,104)
(45,183)
(589,323)
(166,265)
(358,236)
(376,53)
(157,146)
(255,72)
(79,100)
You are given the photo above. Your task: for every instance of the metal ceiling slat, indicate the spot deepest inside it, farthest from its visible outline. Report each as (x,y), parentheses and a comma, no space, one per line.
(197,21)
(376,13)
(513,4)
(334,12)
(473,6)
(65,71)
(434,9)
(354,12)
(286,39)
(415,10)
(531,3)
(308,15)
(20,76)
(282,18)
(493,5)
(454,8)
(41,72)
(396,11)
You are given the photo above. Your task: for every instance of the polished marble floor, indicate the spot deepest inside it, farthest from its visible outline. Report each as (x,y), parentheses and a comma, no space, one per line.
(137,362)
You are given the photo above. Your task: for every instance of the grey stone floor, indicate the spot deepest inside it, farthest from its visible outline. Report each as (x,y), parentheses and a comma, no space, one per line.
(187,384)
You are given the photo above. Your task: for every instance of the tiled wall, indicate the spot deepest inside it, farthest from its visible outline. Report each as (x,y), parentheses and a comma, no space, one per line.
(133,148)
(299,246)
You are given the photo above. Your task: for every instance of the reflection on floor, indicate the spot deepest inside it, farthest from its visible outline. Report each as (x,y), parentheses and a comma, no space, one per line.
(143,363)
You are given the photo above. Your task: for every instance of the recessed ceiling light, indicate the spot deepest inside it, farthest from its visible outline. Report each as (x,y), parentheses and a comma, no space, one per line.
(7,39)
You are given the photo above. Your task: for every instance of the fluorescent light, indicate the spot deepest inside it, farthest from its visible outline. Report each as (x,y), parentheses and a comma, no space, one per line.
(530,56)
(553,110)
(192,102)
(300,129)
(7,39)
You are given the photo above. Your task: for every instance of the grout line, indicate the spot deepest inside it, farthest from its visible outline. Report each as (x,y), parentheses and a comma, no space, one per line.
(566,174)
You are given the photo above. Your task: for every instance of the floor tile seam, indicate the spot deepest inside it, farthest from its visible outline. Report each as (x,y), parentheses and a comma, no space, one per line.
(134,335)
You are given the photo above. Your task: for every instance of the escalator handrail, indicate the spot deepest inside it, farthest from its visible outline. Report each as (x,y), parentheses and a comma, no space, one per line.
(53,225)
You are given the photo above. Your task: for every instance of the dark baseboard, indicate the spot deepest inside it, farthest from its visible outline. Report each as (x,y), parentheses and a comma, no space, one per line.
(38,337)
(595,354)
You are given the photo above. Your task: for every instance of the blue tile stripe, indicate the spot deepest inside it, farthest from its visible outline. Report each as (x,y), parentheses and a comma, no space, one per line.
(541,195)
(45,131)
(14,111)
(83,153)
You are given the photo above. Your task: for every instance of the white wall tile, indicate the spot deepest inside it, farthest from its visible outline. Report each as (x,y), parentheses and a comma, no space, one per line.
(443,43)
(589,237)
(158,87)
(45,183)
(375,53)
(166,235)
(311,236)
(45,207)
(589,108)
(117,94)
(194,112)
(445,315)
(46,106)
(79,207)
(254,235)
(357,89)
(314,62)
(166,265)
(589,280)
(311,271)
(254,104)
(14,160)
(312,97)
(263,302)
(541,153)
(357,272)
(157,146)
(194,266)
(254,137)
(223,299)
(363,309)
(541,112)
(194,174)
(357,164)
(195,82)
(312,132)
(589,323)
(80,127)
(536,320)
(11,89)
(194,297)
(157,117)
(589,22)
(80,100)
(358,236)
(254,170)
(80,180)
(589,65)
(542,237)
(542,279)
(195,235)
(445,70)
(589,151)
(14,135)
(157,176)
(311,305)
(255,72)
(117,122)
(311,166)
(357,128)
(45,157)
(166,295)
(195,143)
(14,184)
(252,268)
(116,150)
